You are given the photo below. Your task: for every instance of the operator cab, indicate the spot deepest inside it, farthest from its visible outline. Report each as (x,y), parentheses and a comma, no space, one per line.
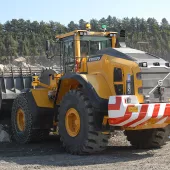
(77,45)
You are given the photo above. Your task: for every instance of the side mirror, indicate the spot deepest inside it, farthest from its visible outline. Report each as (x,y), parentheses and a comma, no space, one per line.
(47,45)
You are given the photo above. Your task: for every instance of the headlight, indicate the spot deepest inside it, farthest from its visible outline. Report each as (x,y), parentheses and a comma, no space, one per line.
(81,33)
(129,85)
(144,64)
(167,64)
(112,35)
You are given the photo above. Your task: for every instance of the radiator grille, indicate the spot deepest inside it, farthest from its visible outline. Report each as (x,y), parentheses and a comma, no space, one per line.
(150,78)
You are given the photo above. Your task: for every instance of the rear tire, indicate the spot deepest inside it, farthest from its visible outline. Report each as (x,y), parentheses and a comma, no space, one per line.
(28,134)
(147,139)
(88,140)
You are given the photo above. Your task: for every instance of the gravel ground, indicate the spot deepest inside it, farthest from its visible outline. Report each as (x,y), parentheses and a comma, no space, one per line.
(50,155)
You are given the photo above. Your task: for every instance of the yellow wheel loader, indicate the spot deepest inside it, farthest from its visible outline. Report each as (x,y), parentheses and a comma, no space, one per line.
(102,86)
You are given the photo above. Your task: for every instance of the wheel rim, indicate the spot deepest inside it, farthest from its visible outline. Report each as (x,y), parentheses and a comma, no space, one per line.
(21,120)
(72,122)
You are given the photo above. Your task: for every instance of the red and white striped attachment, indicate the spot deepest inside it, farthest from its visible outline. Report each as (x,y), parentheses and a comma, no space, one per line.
(126,111)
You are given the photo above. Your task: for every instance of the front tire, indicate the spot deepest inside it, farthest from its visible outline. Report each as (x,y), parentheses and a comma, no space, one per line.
(83,139)
(21,122)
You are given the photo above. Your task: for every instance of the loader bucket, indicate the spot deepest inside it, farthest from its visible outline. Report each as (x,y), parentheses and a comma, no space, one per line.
(12,82)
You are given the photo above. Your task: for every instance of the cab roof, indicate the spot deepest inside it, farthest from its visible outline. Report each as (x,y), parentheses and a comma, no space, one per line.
(88,33)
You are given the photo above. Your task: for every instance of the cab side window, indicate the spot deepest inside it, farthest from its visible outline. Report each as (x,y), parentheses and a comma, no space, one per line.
(68,54)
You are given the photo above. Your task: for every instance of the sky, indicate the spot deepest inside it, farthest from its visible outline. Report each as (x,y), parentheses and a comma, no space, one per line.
(64,11)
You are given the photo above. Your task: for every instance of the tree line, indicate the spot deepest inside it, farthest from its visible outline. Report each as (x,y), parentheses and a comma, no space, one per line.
(25,38)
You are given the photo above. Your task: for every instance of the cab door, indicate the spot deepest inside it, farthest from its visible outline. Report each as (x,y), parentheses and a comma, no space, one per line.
(68,57)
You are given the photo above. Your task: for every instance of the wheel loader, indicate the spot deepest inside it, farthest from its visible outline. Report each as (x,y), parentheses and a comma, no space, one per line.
(102,86)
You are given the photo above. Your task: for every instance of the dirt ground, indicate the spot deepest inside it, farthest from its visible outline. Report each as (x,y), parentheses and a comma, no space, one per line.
(50,155)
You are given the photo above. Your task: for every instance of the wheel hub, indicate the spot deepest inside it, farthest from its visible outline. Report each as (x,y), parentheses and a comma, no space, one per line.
(72,122)
(21,120)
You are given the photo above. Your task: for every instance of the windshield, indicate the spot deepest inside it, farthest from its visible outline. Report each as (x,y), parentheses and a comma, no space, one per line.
(89,45)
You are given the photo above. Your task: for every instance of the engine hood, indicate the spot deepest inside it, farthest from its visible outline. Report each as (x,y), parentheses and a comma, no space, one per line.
(141,56)
(131,54)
